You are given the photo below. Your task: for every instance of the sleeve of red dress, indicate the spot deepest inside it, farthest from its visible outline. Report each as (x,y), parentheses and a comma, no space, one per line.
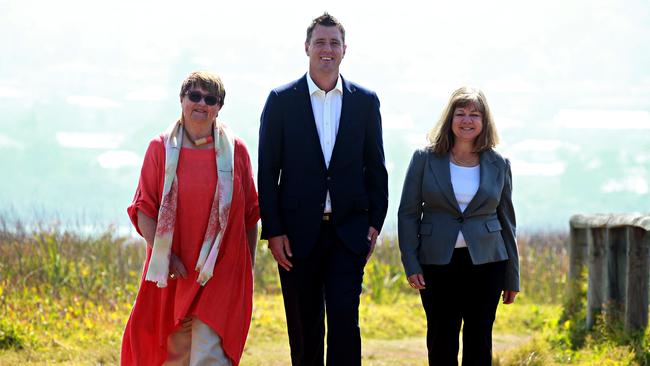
(147,195)
(252,210)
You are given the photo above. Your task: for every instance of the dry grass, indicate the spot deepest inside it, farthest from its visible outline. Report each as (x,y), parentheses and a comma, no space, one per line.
(65,297)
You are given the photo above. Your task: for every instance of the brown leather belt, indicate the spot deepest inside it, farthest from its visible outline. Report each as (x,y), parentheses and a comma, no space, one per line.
(327,216)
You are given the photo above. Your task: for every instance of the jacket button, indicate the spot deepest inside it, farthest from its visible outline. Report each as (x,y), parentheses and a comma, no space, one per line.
(460,219)
(329,178)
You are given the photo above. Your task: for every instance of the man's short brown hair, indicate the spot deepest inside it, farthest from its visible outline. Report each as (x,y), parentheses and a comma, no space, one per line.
(326,20)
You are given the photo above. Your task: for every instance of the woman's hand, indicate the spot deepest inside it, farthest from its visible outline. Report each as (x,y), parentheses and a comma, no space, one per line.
(416,281)
(509,296)
(176,267)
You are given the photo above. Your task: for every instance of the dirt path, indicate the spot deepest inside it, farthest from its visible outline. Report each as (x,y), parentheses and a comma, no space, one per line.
(402,352)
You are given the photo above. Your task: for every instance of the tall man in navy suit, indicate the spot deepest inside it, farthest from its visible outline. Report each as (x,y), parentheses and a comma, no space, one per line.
(323,191)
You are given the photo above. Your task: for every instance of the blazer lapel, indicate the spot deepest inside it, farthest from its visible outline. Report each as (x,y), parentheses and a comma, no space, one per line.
(303,101)
(344,121)
(439,166)
(489,175)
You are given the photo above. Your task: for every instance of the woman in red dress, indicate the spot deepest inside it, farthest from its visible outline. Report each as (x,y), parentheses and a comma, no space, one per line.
(196,207)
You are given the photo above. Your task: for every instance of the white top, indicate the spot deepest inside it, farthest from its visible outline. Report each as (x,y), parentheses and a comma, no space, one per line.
(327,114)
(465,181)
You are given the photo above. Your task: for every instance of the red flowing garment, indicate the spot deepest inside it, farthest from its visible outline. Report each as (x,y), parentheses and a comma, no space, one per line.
(225,302)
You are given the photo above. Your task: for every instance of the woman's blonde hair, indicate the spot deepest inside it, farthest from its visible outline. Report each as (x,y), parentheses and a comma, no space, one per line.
(441,137)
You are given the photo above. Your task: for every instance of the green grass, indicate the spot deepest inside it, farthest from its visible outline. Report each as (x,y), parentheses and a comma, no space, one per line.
(65,298)
(390,331)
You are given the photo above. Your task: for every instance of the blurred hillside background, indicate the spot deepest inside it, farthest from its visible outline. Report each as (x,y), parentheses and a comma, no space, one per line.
(84,86)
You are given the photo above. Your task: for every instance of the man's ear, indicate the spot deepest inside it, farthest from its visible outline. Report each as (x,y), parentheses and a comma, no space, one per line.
(307,48)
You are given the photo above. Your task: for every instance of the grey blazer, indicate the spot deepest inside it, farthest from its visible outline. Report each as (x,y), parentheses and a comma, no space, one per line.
(429,217)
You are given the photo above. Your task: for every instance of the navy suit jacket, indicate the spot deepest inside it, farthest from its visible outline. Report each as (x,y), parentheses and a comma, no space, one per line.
(293,178)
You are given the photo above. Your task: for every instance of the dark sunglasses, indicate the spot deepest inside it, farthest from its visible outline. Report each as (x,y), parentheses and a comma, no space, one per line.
(196,97)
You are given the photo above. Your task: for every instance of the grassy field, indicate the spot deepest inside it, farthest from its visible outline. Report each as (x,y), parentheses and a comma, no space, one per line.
(64,299)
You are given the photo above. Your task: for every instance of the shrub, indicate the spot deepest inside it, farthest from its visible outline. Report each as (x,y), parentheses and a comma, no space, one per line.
(10,336)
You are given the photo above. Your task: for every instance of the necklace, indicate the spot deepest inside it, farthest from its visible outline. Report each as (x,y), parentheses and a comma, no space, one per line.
(465,163)
(200,141)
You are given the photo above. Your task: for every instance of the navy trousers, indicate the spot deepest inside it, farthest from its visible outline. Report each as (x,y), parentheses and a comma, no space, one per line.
(327,282)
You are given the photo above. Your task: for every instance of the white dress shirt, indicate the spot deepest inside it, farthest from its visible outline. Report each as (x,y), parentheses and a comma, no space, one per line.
(327,114)
(465,181)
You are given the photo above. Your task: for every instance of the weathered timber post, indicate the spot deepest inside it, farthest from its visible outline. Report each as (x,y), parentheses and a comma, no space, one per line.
(618,264)
(597,273)
(616,273)
(636,301)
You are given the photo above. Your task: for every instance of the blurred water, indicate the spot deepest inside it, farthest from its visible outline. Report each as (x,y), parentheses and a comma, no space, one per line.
(84,87)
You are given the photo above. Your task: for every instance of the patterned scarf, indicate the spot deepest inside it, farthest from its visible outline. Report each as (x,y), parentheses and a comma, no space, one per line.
(224,143)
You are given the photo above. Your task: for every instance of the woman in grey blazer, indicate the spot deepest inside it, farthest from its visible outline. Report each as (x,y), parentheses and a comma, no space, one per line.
(456,227)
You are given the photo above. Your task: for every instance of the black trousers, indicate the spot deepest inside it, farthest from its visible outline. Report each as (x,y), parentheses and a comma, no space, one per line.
(461,292)
(328,282)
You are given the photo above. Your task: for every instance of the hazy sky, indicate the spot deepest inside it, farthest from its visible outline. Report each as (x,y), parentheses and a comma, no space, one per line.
(100,78)
(584,47)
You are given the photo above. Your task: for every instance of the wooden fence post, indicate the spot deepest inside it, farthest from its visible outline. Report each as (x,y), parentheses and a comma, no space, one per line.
(636,299)
(597,271)
(618,264)
(617,239)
